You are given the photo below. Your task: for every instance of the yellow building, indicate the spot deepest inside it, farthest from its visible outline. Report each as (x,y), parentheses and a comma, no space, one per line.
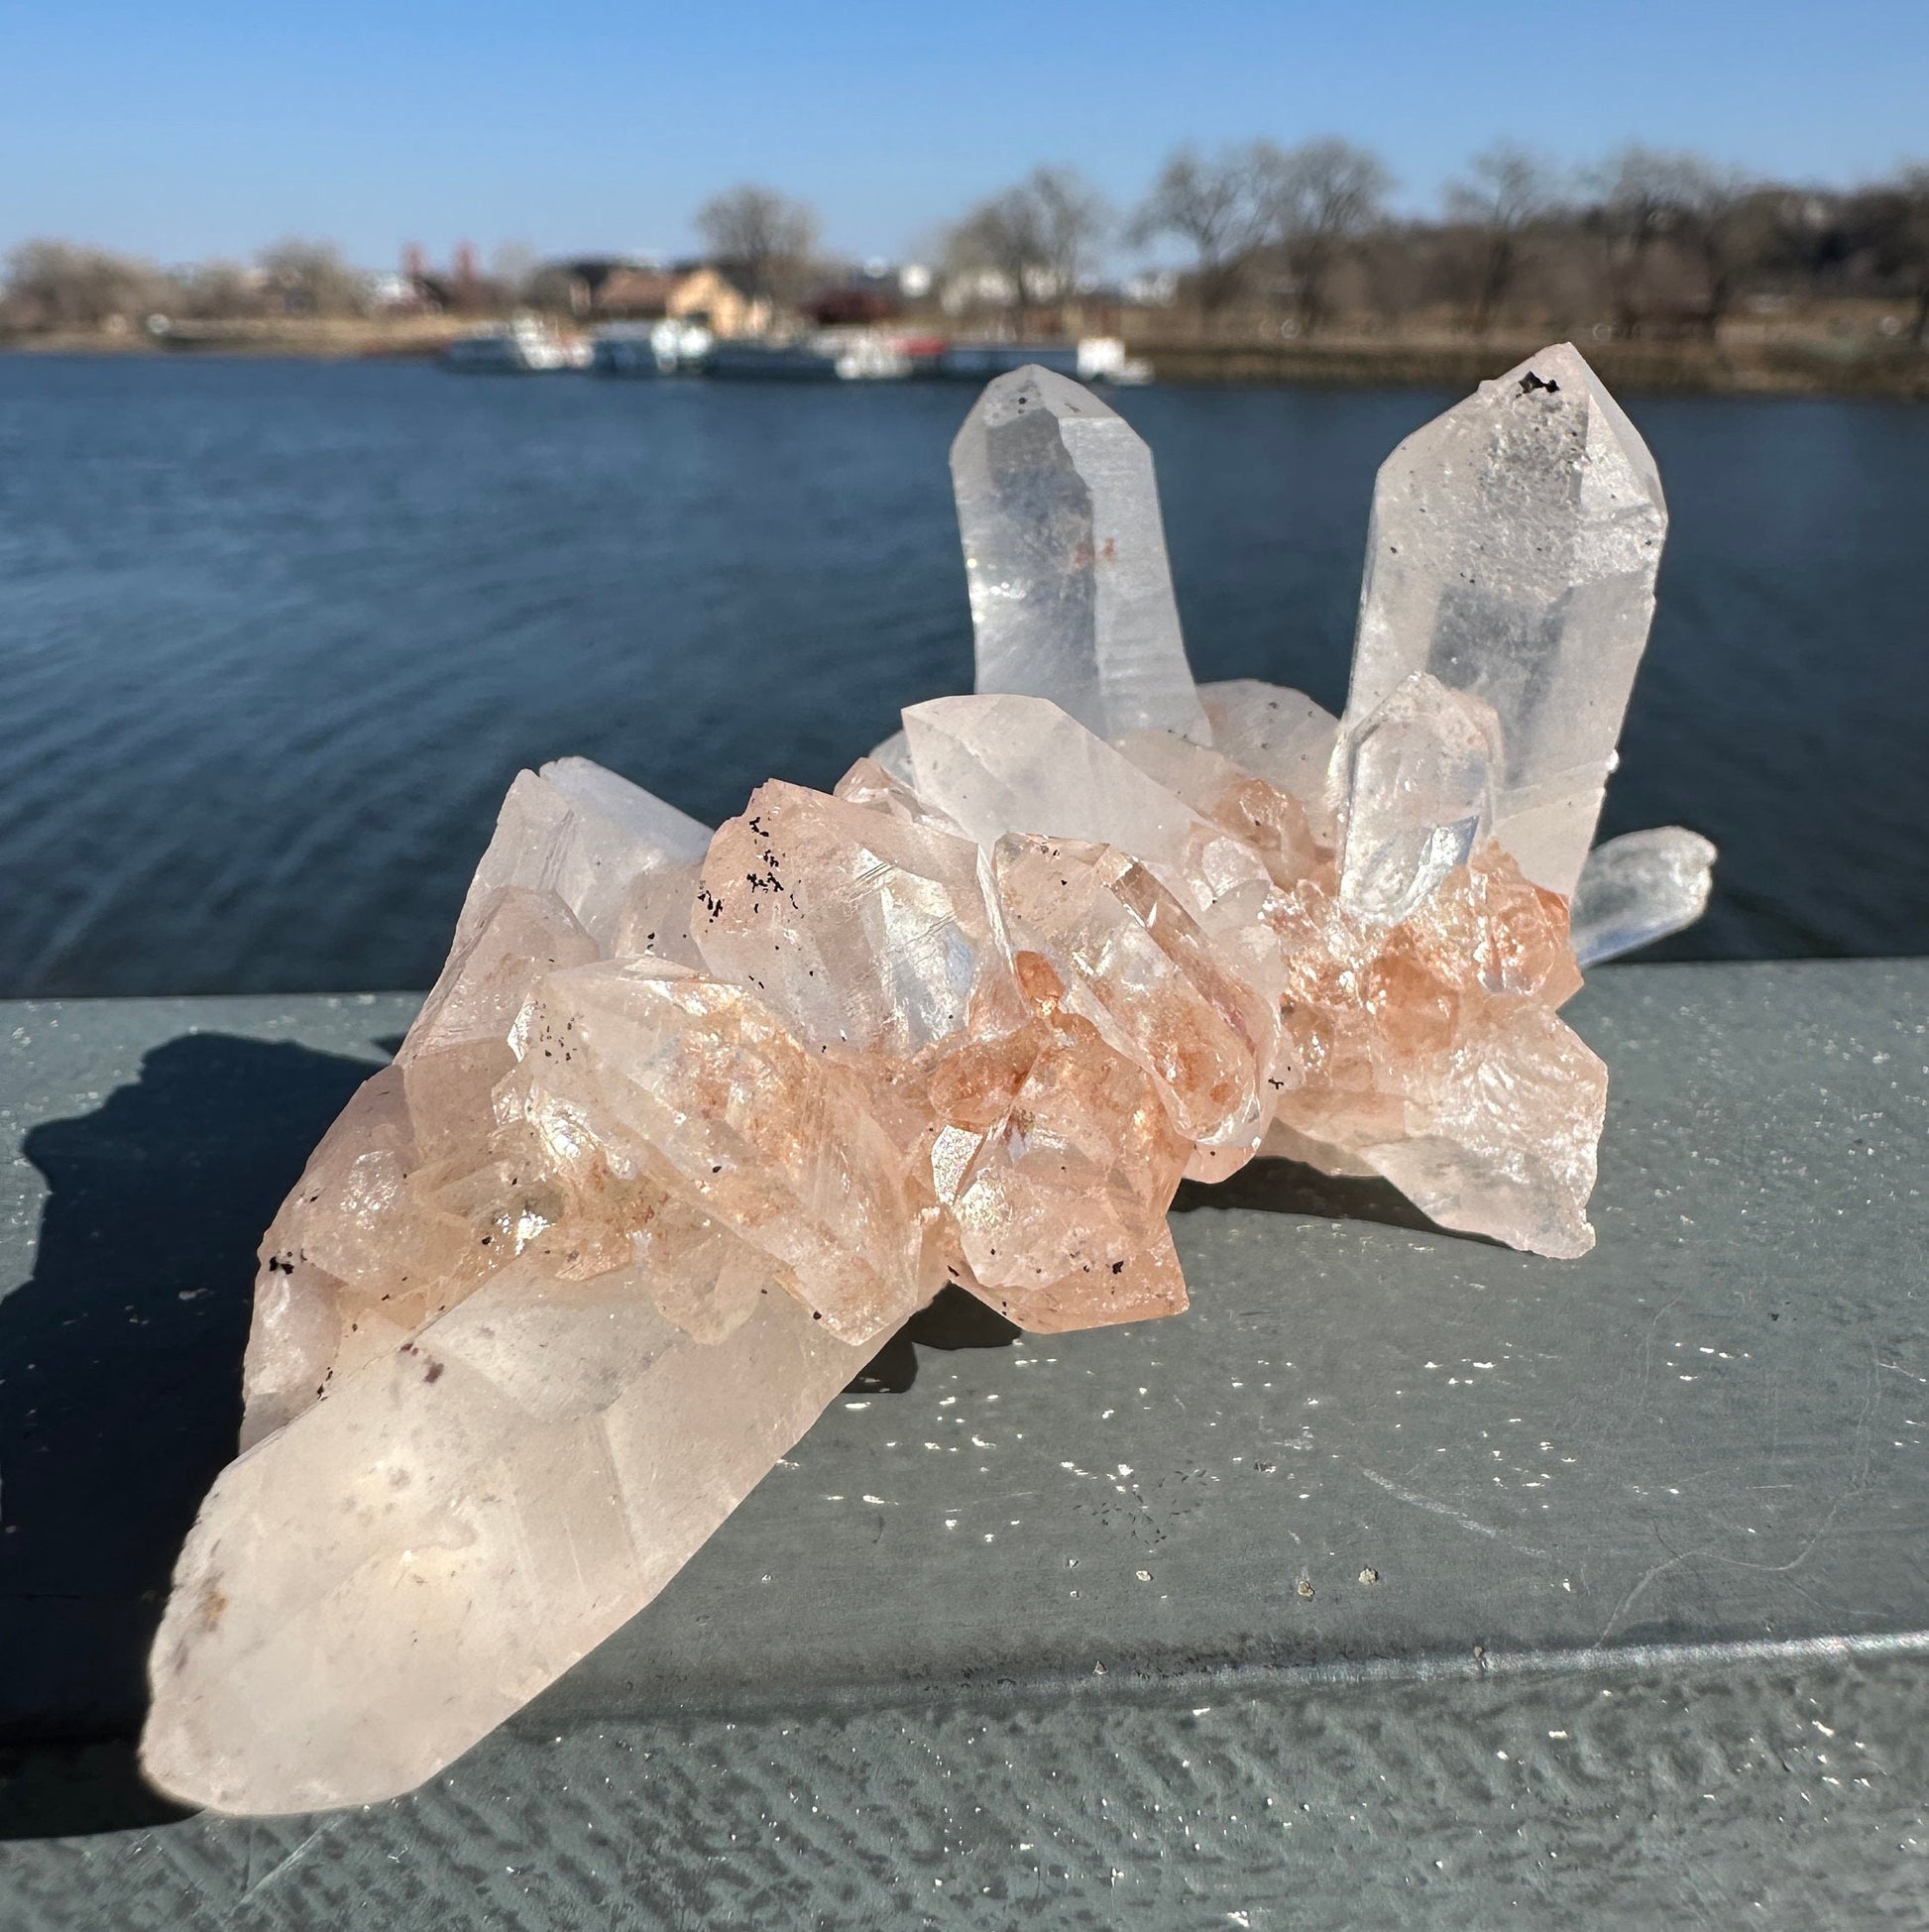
(606,290)
(707,295)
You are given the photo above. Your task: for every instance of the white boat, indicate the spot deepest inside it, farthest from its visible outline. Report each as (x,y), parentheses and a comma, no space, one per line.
(867,357)
(831,355)
(1092,359)
(981,362)
(666,348)
(525,346)
(1103,358)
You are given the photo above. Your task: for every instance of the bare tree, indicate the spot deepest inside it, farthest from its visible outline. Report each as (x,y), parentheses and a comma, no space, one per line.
(1034,241)
(1217,206)
(1073,219)
(1320,197)
(216,291)
(1642,195)
(765,238)
(310,279)
(994,250)
(1716,217)
(61,285)
(1891,222)
(1508,190)
(1728,223)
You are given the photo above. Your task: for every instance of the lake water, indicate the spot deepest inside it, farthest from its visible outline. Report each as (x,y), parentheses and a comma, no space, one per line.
(277,636)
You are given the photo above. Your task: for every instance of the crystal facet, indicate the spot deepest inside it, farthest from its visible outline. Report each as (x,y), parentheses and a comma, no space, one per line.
(1638,889)
(375,1588)
(1420,796)
(1276,735)
(688,1117)
(1511,553)
(1021,765)
(1064,556)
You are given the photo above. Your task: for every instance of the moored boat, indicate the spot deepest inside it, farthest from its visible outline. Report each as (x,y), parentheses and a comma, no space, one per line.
(1092,359)
(525,346)
(666,348)
(832,355)
(771,362)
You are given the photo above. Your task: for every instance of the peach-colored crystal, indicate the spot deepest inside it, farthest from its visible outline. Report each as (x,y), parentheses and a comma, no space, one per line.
(1138,965)
(688,1117)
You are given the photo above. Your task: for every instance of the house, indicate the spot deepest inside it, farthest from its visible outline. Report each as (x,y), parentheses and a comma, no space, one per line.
(613,287)
(637,289)
(720,301)
(868,295)
(866,306)
(636,292)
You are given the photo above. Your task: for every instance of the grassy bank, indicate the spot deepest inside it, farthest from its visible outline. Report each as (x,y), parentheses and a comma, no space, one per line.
(333,338)
(1816,365)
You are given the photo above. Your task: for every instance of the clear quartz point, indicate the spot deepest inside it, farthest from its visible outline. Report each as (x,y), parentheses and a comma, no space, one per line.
(1638,889)
(1064,556)
(1512,554)
(585,834)
(1420,796)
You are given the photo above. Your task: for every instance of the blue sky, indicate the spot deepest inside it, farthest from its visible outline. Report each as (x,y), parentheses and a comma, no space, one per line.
(212,127)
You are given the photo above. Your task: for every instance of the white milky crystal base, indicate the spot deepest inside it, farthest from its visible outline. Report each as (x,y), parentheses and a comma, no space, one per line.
(372,1590)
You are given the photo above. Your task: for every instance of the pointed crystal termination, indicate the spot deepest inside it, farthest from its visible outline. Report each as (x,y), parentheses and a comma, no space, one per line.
(585,834)
(403,1207)
(1638,889)
(387,1228)
(1064,554)
(373,1589)
(1419,797)
(1512,554)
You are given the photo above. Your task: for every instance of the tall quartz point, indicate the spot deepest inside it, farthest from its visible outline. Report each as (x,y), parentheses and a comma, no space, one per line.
(689,1120)
(1512,555)
(1064,556)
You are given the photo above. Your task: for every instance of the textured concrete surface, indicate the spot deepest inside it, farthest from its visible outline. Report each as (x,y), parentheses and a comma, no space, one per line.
(1403,1579)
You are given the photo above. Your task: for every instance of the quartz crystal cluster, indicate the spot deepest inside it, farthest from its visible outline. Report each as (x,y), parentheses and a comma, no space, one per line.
(691,1120)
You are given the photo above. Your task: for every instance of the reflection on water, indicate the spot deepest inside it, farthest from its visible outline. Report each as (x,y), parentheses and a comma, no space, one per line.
(276,636)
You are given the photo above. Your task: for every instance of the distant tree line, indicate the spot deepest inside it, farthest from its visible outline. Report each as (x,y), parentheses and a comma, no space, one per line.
(1262,238)
(53,284)
(1296,240)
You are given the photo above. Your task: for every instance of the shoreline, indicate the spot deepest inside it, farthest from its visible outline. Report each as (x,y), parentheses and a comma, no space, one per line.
(1791,365)
(1818,366)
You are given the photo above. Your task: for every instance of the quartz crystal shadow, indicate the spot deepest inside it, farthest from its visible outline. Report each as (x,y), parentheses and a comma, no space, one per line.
(691,1121)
